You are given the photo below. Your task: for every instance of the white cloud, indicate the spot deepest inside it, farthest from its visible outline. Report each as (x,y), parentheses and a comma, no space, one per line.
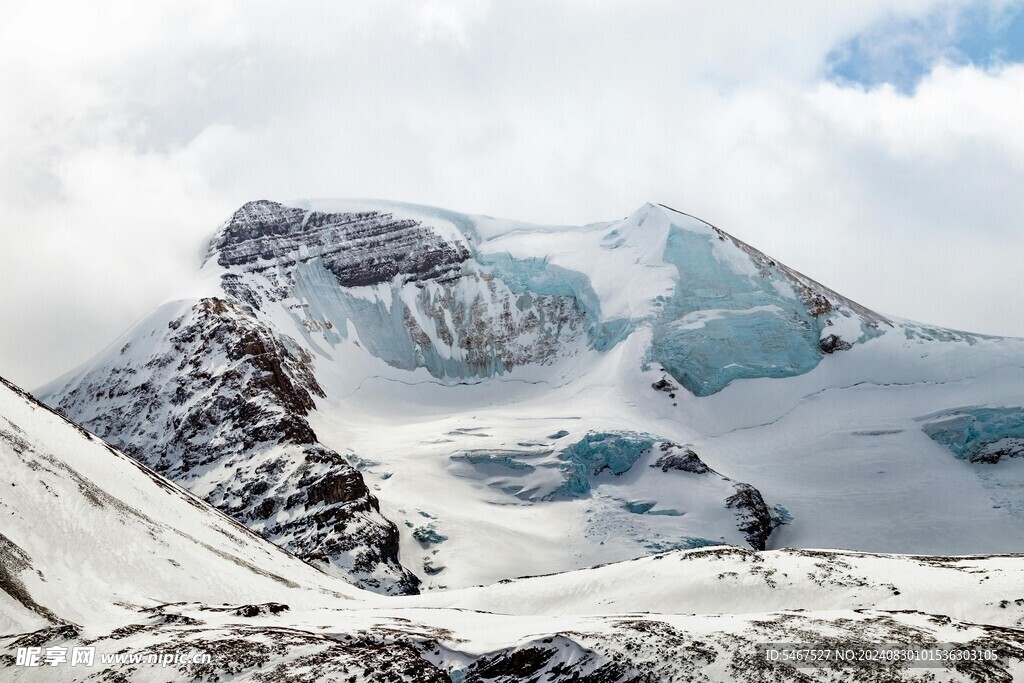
(132,129)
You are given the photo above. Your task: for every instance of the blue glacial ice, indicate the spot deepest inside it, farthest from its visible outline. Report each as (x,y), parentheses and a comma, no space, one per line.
(427,536)
(750,325)
(497,461)
(646,507)
(980,434)
(598,452)
(539,277)
(479,325)
(719,325)
(684,543)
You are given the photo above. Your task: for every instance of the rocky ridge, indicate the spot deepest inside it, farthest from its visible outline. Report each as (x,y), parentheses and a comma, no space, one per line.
(359,249)
(218,403)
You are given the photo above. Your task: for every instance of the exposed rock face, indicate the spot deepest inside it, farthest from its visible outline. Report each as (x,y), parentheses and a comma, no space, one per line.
(250,651)
(1009,447)
(754,518)
(257,610)
(13,561)
(363,248)
(674,457)
(833,343)
(817,298)
(472,326)
(219,405)
(546,659)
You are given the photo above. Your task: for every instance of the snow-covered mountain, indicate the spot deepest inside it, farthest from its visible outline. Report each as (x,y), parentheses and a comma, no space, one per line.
(628,414)
(404,395)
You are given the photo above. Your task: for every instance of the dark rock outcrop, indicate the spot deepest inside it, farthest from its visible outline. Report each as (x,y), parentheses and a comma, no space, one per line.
(675,457)
(754,518)
(833,343)
(219,405)
(665,385)
(257,610)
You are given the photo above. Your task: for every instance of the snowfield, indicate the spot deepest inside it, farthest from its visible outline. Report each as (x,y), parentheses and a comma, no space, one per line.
(101,553)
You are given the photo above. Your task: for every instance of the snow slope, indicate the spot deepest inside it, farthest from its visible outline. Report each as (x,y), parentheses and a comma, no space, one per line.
(99,552)
(88,534)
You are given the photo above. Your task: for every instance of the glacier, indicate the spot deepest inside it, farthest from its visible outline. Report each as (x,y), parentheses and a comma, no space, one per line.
(719,326)
(597,452)
(983,435)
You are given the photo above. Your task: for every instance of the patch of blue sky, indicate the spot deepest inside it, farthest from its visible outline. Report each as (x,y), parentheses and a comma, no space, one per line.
(902,51)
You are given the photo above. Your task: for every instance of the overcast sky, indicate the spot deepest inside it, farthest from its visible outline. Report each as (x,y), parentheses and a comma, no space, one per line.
(876,146)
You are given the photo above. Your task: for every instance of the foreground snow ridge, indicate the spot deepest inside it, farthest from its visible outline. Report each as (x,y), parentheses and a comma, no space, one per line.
(376,416)
(180,577)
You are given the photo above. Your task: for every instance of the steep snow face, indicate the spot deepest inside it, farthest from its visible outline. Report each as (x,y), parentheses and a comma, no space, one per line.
(732,580)
(87,534)
(209,396)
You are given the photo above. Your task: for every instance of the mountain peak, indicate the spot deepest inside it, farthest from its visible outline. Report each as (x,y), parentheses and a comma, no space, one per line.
(360,248)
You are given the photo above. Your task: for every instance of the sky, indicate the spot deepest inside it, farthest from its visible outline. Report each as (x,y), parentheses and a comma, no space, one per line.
(875,146)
